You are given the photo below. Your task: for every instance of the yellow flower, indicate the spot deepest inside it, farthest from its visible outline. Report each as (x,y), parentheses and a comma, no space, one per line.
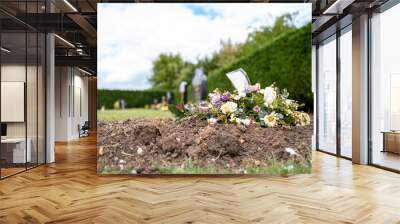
(271,119)
(228,107)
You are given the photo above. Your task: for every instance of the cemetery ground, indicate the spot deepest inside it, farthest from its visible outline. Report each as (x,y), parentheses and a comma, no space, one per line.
(146,141)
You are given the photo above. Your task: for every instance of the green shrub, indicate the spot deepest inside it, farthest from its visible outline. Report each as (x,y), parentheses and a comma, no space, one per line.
(285,61)
(133,98)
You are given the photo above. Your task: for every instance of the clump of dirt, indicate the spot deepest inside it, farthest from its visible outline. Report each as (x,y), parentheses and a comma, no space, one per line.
(144,146)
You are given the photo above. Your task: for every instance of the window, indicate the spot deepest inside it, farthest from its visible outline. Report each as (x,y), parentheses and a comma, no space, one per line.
(385,88)
(346,93)
(327,96)
(22,86)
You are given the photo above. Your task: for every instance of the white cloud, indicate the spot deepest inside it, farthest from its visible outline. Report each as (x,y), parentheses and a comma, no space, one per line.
(130,36)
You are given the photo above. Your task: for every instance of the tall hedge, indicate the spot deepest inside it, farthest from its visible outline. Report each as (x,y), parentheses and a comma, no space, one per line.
(285,61)
(133,98)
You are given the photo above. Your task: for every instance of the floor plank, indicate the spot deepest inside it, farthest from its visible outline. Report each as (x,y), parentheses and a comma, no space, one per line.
(70,191)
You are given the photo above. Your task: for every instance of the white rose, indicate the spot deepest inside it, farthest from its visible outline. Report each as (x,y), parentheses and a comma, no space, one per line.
(269,96)
(228,107)
(271,119)
(246,122)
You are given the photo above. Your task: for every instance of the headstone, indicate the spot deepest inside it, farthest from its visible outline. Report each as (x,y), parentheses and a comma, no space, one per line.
(239,80)
(199,83)
(183,91)
(122,104)
(169,97)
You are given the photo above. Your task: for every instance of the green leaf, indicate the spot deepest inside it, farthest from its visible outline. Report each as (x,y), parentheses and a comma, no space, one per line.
(177,110)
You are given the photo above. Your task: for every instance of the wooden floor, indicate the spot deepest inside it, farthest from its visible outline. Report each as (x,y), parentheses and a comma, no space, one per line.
(69,191)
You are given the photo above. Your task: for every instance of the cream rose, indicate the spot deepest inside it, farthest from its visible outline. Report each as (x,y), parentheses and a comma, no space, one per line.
(269,95)
(271,119)
(228,107)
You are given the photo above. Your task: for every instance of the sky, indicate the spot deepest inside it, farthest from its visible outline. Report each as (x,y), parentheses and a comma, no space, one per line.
(131,36)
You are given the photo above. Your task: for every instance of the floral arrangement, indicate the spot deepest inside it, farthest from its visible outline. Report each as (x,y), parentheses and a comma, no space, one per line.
(268,107)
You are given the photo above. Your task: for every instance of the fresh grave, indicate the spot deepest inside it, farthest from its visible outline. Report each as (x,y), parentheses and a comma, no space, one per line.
(248,131)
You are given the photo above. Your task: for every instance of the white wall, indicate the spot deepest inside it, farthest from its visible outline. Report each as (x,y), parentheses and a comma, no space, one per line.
(71,102)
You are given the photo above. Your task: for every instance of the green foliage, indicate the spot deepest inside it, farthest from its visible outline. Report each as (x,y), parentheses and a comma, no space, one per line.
(266,34)
(281,168)
(133,98)
(275,167)
(177,110)
(286,61)
(190,168)
(167,70)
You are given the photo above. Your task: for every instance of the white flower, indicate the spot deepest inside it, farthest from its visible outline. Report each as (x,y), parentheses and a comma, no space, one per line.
(236,97)
(291,151)
(241,95)
(261,91)
(271,119)
(212,121)
(238,120)
(246,121)
(139,151)
(269,96)
(228,107)
(288,101)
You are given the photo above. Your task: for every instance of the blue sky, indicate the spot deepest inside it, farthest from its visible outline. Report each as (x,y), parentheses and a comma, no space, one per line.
(130,36)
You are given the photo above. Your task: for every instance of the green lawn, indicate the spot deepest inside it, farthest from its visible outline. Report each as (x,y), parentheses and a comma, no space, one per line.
(118,115)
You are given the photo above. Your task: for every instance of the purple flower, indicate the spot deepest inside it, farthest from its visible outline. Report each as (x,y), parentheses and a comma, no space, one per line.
(256,109)
(215,99)
(225,96)
(253,88)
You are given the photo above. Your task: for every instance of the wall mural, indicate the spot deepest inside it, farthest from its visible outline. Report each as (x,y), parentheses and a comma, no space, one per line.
(204,89)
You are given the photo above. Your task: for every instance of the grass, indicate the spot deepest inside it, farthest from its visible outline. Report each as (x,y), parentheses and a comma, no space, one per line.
(281,168)
(275,168)
(119,115)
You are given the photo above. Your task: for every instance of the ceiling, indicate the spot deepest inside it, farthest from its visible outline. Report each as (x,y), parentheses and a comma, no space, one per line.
(75,22)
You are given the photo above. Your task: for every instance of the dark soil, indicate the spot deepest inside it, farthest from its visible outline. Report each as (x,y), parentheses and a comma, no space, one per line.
(146,145)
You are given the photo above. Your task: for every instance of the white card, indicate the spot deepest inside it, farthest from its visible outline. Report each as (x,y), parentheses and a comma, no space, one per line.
(239,79)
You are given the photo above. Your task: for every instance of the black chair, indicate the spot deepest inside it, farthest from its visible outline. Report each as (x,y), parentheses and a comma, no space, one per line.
(84,130)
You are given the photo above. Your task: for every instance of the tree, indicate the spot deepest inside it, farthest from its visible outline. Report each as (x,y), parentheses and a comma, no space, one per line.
(265,34)
(166,71)
(170,69)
